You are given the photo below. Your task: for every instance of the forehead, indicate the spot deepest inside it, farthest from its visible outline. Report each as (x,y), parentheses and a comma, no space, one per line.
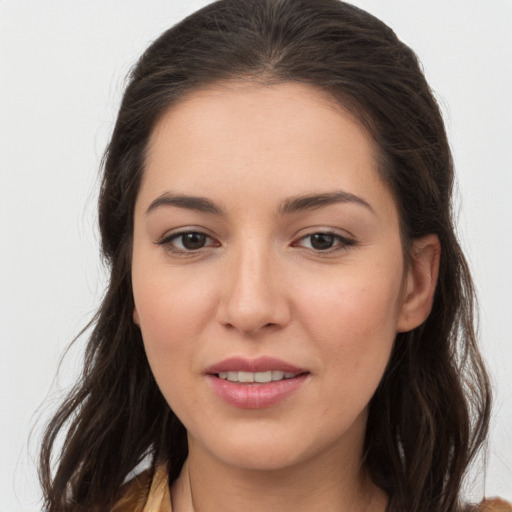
(276,140)
(248,102)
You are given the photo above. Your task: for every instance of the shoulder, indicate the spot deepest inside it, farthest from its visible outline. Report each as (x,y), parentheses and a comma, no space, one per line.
(134,494)
(493,505)
(147,492)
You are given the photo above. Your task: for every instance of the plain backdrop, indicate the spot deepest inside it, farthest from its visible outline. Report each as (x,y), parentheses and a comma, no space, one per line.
(62,70)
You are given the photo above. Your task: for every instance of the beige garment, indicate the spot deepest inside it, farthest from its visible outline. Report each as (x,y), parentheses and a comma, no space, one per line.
(146,494)
(495,505)
(151,494)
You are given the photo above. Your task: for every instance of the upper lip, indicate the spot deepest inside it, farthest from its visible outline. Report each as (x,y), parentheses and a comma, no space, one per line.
(261,364)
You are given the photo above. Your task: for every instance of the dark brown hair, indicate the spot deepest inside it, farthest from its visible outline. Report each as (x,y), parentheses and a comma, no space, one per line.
(430,413)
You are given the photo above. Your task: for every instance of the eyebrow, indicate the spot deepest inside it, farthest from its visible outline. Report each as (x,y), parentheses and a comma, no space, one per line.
(314,201)
(199,204)
(288,206)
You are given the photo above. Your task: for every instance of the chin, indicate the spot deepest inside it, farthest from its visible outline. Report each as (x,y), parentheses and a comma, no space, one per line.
(264,459)
(266,449)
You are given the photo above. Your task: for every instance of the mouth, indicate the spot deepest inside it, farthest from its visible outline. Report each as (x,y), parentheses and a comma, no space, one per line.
(261,370)
(257,377)
(255,383)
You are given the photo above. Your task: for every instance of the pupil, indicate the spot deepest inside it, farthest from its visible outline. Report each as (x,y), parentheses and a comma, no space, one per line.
(193,241)
(322,241)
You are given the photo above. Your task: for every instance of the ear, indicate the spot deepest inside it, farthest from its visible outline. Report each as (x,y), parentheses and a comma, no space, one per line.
(420,282)
(136,319)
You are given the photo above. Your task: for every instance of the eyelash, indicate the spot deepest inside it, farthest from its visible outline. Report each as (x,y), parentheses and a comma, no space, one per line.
(343,242)
(167,242)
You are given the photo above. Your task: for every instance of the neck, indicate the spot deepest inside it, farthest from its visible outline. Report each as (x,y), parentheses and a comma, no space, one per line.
(321,484)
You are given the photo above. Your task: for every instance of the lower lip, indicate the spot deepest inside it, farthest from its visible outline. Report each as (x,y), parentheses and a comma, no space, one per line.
(255,396)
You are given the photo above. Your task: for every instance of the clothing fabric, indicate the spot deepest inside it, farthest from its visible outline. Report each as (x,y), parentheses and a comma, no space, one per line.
(147,493)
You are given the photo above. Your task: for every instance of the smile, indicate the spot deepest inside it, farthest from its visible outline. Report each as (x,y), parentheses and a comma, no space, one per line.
(255,383)
(259,377)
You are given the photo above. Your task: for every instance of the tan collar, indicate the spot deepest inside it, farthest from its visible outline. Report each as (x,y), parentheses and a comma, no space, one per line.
(159,499)
(146,492)
(150,493)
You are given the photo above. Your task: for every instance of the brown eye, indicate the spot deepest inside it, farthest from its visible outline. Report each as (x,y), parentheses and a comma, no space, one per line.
(325,242)
(193,241)
(187,241)
(322,241)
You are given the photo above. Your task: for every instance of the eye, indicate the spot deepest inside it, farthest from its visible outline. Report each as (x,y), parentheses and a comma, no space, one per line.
(325,241)
(187,241)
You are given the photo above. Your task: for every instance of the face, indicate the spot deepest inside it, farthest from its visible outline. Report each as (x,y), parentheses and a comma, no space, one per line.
(266,247)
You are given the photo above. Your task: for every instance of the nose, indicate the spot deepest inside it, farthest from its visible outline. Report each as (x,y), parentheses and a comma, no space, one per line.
(254,298)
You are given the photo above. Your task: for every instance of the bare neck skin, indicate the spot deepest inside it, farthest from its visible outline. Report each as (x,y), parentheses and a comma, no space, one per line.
(331,481)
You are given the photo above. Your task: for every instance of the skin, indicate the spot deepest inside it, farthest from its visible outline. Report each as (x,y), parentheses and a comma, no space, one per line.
(259,286)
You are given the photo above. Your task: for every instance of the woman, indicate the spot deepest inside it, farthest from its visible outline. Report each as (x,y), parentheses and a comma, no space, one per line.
(289,322)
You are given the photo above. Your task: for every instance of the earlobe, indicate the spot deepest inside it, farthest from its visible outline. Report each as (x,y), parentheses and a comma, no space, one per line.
(420,285)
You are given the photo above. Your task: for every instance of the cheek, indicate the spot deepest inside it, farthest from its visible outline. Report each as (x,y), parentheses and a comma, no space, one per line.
(354,322)
(173,309)
(171,314)
(167,297)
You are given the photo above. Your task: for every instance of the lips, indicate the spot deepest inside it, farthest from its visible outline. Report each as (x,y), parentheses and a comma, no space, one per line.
(261,377)
(255,384)
(262,364)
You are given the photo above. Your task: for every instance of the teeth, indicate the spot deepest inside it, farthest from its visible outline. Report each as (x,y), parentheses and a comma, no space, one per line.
(262,377)
(245,377)
(277,375)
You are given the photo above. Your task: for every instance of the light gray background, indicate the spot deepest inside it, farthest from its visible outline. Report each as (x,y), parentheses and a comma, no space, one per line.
(62,67)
